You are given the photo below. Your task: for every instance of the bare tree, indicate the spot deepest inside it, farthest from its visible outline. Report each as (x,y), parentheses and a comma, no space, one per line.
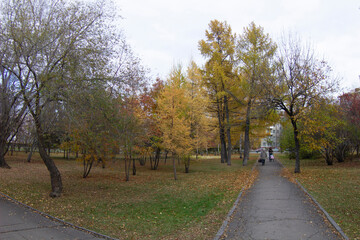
(12,110)
(301,80)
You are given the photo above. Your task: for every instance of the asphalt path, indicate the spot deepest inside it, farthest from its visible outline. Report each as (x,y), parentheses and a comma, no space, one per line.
(18,222)
(275,208)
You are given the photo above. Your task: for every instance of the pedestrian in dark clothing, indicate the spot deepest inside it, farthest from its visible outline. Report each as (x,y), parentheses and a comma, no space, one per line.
(271,156)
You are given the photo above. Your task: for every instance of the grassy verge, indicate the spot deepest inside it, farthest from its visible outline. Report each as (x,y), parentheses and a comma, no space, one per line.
(336,188)
(151,206)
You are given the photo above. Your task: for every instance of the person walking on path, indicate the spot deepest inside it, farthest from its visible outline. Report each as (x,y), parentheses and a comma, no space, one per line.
(263,156)
(275,208)
(271,154)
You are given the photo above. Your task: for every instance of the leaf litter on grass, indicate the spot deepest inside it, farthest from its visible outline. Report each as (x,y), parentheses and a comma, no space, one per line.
(106,203)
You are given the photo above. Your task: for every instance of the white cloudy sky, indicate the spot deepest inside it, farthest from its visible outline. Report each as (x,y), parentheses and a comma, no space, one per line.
(166,32)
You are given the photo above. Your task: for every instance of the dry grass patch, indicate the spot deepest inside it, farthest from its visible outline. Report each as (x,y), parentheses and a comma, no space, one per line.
(151,206)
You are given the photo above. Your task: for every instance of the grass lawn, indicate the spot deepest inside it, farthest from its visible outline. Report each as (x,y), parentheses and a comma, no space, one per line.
(152,205)
(336,188)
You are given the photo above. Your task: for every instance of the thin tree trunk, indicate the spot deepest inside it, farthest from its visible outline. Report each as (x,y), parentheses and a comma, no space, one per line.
(166,155)
(127,169)
(297,147)
(174,166)
(240,146)
(87,167)
(31,152)
(221,134)
(134,167)
(29,156)
(247,134)
(228,131)
(157,158)
(151,163)
(187,164)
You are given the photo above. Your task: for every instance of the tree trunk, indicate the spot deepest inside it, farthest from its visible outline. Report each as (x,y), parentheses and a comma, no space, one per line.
(340,152)
(222,135)
(29,155)
(174,166)
(247,134)
(87,167)
(151,162)
(157,158)
(228,131)
(55,176)
(240,146)
(127,169)
(297,147)
(328,156)
(187,164)
(3,163)
(142,160)
(134,167)
(166,155)
(31,150)
(3,150)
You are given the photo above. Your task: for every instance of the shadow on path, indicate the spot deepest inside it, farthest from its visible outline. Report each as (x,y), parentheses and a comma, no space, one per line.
(275,208)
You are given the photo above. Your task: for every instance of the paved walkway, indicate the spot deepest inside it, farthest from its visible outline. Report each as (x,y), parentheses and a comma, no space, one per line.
(275,208)
(18,223)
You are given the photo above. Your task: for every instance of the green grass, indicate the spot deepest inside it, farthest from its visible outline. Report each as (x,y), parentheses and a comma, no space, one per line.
(336,188)
(151,206)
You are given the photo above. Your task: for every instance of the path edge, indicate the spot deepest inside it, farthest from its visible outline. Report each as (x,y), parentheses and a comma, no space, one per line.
(327,215)
(232,210)
(55,218)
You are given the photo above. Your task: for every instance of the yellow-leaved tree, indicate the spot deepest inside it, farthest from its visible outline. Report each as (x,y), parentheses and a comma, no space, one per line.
(321,127)
(182,120)
(255,51)
(219,49)
(199,102)
(174,118)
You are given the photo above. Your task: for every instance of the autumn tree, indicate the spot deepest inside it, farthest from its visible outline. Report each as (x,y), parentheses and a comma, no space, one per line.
(301,80)
(199,118)
(95,135)
(219,48)
(56,45)
(349,105)
(173,113)
(151,138)
(320,129)
(255,51)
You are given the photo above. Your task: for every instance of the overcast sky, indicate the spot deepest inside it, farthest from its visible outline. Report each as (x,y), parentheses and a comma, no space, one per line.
(166,32)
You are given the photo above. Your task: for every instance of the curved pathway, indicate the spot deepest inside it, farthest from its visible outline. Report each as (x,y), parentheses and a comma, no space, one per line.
(275,208)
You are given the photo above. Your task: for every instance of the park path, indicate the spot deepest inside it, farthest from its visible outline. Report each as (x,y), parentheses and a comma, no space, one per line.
(275,208)
(18,222)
